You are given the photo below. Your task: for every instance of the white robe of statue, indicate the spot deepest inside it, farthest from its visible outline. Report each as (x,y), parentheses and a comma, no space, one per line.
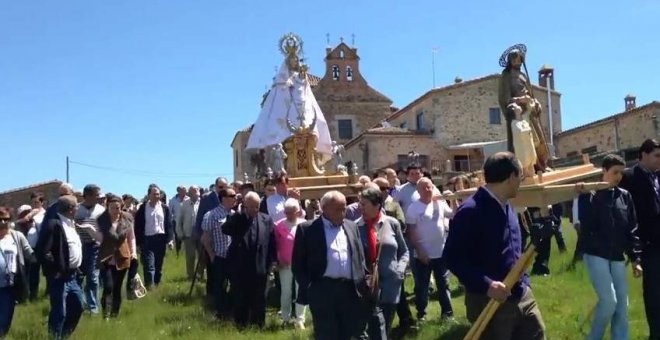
(523,143)
(288,97)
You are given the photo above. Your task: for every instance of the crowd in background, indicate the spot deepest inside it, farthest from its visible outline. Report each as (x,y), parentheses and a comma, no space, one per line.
(344,258)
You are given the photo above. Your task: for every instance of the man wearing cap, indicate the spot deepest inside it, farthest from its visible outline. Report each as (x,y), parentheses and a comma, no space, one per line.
(86,216)
(59,249)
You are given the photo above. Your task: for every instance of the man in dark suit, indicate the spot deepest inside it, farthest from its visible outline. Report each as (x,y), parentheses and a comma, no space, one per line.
(642,182)
(154,232)
(250,259)
(209,201)
(329,266)
(59,250)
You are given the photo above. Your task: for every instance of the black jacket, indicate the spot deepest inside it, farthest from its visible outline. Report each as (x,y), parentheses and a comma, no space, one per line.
(609,226)
(53,250)
(140,221)
(647,205)
(248,256)
(310,252)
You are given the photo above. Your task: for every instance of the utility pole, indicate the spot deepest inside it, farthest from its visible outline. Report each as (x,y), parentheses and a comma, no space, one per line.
(67,169)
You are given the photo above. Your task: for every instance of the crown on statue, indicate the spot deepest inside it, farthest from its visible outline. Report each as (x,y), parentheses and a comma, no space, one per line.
(290,44)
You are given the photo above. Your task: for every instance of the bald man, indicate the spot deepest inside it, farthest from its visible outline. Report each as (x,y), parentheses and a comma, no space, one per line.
(250,258)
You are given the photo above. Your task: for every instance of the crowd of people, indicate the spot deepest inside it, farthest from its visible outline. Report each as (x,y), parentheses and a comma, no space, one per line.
(344,258)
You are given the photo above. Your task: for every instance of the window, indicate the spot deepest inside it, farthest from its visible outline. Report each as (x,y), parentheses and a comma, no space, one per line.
(403,125)
(572,154)
(420,120)
(335,72)
(236,158)
(345,128)
(461,163)
(591,149)
(349,73)
(341,54)
(494,116)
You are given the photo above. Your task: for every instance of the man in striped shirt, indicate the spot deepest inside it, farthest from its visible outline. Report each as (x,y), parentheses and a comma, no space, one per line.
(216,245)
(86,225)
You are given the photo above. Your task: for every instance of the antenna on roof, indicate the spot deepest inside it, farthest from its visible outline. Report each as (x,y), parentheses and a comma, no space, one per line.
(434,50)
(327,38)
(353,39)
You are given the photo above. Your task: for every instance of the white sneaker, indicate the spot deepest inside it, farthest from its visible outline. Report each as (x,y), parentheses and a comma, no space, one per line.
(299,325)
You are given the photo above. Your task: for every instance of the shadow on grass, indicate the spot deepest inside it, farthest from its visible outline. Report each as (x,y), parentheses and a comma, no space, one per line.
(180,299)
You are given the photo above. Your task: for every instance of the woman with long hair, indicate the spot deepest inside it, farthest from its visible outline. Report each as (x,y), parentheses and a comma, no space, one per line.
(117,249)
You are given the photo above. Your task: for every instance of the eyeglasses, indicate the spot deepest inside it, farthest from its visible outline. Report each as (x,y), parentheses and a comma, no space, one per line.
(4,220)
(384,188)
(231,196)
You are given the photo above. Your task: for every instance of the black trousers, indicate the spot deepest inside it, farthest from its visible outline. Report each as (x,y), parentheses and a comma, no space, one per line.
(34,271)
(337,311)
(542,257)
(403,309)
(249,296)
(132,271)
(650,285)
(221,299)
(112,282)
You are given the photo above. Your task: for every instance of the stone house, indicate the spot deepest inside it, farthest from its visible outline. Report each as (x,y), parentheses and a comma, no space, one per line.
(621,132)
(453,128)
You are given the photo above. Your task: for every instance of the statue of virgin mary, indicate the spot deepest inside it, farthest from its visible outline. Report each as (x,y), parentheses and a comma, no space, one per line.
(290,105)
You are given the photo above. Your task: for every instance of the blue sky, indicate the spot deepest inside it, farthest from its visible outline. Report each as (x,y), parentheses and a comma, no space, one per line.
(157,89)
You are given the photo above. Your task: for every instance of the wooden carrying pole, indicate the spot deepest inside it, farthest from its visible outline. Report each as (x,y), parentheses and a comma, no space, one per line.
(514,275)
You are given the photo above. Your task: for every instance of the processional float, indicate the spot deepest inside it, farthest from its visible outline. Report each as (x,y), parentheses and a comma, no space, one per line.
(292,136)
(542,185)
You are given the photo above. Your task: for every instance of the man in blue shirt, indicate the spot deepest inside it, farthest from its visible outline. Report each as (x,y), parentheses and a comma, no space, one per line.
(483,245)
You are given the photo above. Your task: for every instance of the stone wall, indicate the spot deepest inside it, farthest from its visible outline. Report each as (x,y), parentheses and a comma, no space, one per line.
(460,113)
(376,151)
(16,197)
(242,162)
(632,128)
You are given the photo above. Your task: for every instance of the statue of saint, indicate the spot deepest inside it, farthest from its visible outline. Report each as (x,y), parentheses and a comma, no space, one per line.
(258,161)
(290,106)
(278,156)
(515,98)
(337,155)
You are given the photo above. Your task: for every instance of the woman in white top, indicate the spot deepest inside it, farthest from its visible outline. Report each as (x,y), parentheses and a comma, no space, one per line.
(14,251)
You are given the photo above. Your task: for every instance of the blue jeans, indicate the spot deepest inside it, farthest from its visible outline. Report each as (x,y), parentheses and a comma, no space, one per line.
(7,304)
(66,305)
(90,255)
(153,254)
(609,281)
(422,281)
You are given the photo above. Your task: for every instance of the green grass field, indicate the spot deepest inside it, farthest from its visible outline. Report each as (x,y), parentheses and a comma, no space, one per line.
(565,297)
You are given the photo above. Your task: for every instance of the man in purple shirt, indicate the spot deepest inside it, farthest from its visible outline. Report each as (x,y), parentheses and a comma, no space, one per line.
(483,246)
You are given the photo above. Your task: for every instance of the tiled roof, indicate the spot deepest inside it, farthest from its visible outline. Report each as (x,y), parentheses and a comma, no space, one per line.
(32,186)
(618,115)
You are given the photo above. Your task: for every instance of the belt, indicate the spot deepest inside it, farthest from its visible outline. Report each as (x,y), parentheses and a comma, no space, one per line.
(336,280)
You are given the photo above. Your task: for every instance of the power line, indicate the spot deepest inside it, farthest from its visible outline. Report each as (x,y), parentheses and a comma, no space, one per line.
(146,173)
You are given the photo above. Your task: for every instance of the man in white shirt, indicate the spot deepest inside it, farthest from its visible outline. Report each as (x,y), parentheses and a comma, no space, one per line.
(186,218)
(59,249)
(275,202)
(427,231)
(154,232)
(174,205)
